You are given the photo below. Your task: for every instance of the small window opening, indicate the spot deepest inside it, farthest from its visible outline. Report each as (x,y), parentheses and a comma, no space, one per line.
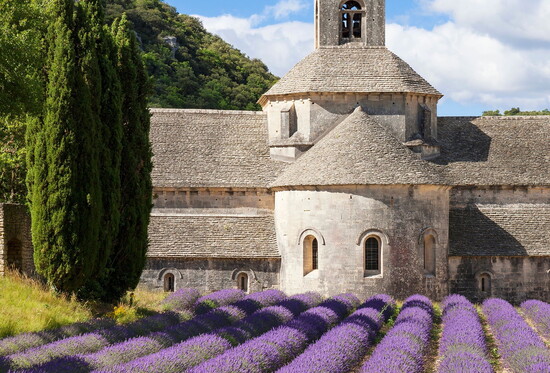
(169,282)
(311,254)
(242,282)
(352,19)
(372,254)
(429,254)
(485,283)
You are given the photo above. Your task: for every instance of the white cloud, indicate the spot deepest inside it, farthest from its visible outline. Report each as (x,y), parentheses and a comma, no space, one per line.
(279,46)
(285,8)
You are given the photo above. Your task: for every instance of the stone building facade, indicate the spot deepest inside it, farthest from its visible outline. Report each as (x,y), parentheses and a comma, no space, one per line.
(349,181)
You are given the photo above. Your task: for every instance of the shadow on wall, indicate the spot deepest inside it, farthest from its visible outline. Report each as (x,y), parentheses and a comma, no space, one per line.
(461,141)
(472,233)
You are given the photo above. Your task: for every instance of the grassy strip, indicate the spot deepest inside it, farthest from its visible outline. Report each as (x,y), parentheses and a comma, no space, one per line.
(432,358)
(494,355)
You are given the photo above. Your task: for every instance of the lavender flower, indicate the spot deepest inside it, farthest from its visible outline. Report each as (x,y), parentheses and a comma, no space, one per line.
(341,349)
(278,346)
(520,346)
(181,300)
(22,342)
(463,349)
(403,348)
(89,342)
(539,313)
(217,299)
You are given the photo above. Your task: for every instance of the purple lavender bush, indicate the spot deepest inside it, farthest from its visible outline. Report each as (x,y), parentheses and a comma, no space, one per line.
(217,299)
(462,347)
(22,342)
(344,346)
(539,314)
(278,346)
(519,345)
(87,343)
(141,346)
(181,300)
(404,346)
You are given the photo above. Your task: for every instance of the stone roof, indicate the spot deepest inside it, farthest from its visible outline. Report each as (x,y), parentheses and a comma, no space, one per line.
(495,150)
(211,148)
(212,236)
(500,230)
(358,151)
(357,70)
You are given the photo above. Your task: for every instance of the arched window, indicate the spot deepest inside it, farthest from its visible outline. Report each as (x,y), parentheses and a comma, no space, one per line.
(242,282)
(169,282)
(485,283)
(311,254)
(372,255)
(352,20)
(429,254)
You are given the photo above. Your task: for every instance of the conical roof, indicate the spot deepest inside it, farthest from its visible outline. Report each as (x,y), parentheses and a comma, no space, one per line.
(351,69)
(359,151)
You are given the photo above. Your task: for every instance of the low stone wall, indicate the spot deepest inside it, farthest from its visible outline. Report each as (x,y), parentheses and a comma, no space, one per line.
(209,275)
(512,278)
(15,239)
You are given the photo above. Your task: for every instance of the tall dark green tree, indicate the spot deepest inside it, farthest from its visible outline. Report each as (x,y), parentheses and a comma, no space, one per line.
(64,188)
(128,258)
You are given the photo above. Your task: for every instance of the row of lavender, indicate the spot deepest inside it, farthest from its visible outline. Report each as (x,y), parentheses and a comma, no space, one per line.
(253,335)
(32,353)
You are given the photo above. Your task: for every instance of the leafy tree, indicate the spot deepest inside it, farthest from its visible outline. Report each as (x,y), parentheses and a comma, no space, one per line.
(516,111)
(21,90)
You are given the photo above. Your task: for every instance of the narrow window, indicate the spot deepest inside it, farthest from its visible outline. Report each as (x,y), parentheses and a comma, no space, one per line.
(485,283)
(352,19)
(169,282)
(242,282)
(311,254)
(372,254)
(429,254)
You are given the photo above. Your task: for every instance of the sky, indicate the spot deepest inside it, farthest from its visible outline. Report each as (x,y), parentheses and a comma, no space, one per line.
(481,54)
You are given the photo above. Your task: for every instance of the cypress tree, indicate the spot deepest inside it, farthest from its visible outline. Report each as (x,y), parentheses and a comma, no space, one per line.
(63,177)
(128,258)
(106,105)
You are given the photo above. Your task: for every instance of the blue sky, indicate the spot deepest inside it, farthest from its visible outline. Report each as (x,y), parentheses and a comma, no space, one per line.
(481,54)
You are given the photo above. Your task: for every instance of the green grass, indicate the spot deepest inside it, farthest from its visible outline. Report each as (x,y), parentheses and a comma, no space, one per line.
(26,306)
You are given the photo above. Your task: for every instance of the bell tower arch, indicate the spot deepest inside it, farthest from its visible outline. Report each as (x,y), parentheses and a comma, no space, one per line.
(339,22)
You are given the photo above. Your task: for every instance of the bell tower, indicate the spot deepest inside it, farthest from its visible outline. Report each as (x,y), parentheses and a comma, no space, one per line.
(339,22)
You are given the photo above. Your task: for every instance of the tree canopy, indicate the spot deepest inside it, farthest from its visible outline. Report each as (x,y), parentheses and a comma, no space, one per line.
(515,111)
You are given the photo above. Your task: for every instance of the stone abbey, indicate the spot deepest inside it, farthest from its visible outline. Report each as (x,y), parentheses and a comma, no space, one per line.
(347,181)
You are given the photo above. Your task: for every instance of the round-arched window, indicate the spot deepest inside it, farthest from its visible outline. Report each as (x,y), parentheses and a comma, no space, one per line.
(311,254)
(242,282)
(169,282)
(352,19)
(372,254)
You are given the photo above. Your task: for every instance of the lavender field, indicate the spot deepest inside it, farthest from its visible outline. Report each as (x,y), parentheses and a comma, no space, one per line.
(230,331)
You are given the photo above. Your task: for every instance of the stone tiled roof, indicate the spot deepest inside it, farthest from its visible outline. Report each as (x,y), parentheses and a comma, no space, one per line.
(495,150)
(358,151)
(209,148)
(357,70)
(212,236)
(500,230)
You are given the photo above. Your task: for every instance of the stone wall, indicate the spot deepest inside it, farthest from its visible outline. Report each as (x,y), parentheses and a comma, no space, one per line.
(15,239)
(512,278)
(341,218)
(209,198)
(209,275)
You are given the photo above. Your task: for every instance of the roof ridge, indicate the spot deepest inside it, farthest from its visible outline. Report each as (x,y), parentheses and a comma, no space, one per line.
(206,111)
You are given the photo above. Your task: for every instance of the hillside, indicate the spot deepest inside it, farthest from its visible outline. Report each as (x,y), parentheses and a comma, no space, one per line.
(189,67)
